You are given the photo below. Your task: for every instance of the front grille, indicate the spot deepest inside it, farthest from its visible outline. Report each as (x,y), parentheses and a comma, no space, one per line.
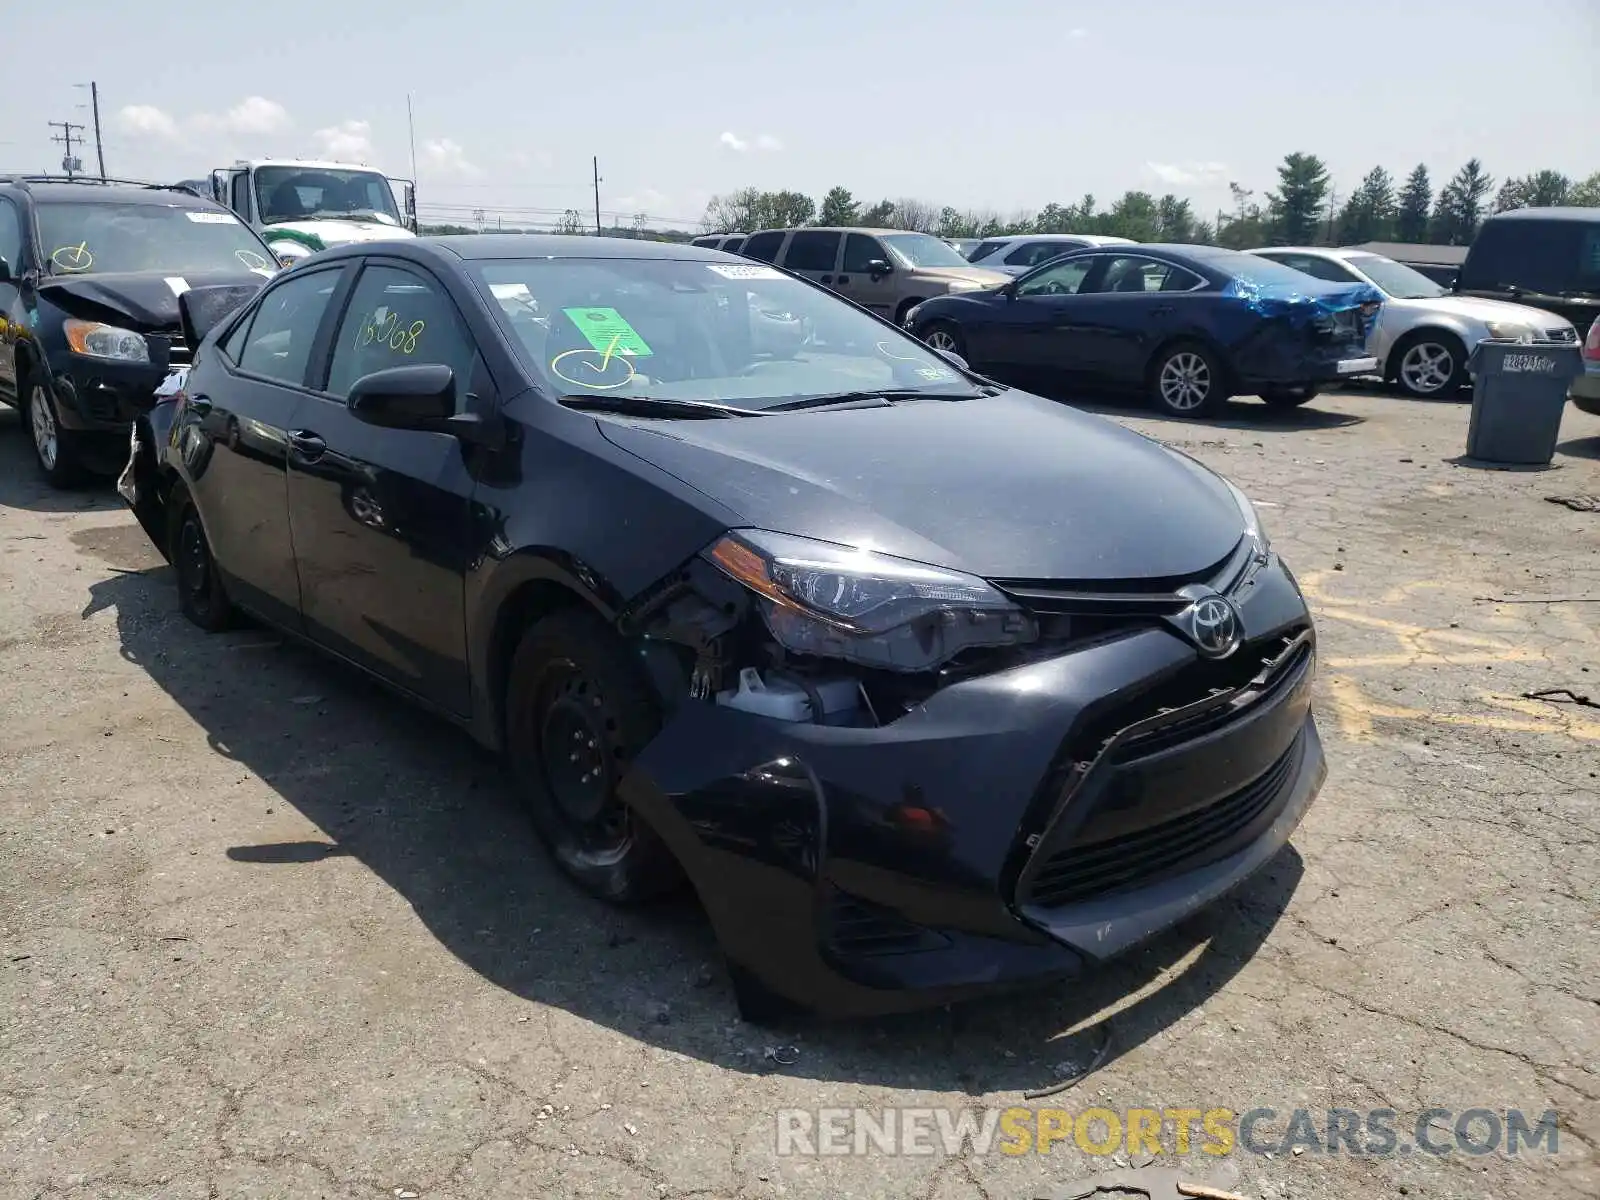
(1566,335)
(1148,855)
(857,928)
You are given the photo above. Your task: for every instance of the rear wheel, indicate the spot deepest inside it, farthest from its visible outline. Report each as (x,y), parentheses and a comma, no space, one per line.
(1429,364)
(577,712)
(55,449)
(1289,397)
(1186,380)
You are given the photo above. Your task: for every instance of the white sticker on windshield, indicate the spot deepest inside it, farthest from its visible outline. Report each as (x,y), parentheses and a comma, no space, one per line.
(511,291)
(178,284)
(202,217)
(740,271)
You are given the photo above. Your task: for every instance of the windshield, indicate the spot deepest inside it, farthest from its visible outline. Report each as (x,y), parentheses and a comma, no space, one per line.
(307,193)
(740,335)
(80,238)
(1399,280)
(922,250)
(1252,268)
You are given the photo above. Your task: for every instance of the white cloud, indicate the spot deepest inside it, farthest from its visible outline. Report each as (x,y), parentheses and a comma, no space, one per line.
(146,120)
(1190,173)
(444,156)
(763,141)
(348,141)
(1078,33)
(253,114)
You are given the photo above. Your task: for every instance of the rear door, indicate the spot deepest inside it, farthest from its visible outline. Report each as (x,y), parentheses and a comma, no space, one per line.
(382,517)
(234,436)
(11,314)
(814,253)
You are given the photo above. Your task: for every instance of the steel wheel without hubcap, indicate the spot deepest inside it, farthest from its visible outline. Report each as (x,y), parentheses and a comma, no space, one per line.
(200,593)
(42,421)
(1427,368)
(577,760)
(1185,381)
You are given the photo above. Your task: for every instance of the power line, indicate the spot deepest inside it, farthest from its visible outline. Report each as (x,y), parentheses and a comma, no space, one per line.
(69,163)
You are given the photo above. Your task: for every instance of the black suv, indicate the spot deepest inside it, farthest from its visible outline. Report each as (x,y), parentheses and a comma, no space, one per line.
(1546,257)
(90,274)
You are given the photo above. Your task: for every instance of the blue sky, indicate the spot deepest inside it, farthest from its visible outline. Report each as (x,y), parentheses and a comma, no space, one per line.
(1004,105)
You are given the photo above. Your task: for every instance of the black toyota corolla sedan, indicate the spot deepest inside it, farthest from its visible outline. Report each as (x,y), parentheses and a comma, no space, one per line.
(925,686)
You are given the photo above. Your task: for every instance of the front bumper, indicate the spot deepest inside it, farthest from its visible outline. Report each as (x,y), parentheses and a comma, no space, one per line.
(101,396)
(1020,825)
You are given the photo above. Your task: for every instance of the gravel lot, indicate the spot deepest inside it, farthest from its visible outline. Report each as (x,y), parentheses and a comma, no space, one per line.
(265,932)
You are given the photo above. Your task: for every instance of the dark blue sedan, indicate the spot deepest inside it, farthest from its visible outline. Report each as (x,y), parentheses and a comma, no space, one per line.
(1188,325)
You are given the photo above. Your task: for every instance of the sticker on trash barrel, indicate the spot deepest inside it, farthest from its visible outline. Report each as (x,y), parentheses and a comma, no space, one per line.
(607,330)
(1538,364)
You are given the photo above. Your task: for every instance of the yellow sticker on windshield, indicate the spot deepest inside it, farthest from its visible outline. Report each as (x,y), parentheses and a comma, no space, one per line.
(72,258)
(608,331)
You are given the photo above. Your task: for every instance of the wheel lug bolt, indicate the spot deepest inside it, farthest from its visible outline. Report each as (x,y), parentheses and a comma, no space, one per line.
(574,758)
(591,743)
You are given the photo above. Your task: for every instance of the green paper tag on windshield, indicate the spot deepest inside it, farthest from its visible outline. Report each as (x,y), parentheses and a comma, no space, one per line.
(608,331)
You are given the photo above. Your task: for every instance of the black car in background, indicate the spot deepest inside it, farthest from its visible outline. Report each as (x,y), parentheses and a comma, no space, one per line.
(90,275)
(1187,325)
(925,685)
(1545,257)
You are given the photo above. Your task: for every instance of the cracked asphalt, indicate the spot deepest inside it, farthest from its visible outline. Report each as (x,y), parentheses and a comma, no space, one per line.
(266,932)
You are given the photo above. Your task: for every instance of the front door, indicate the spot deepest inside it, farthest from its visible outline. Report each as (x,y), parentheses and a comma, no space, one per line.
(1040,330)
(382,517)
(1128,310)
(857,279)
(234,438)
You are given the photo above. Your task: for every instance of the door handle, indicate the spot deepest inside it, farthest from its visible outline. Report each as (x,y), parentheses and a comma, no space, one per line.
(844,279)
(827,279)
(307,444)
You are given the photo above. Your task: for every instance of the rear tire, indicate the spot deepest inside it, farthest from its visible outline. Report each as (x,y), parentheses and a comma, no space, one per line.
(1289,397)
(1428,364)
(1187,380)
(201,596)
(57,451)
(578,710)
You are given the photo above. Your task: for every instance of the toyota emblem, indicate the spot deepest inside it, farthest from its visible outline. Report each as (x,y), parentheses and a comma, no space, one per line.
(1213,624)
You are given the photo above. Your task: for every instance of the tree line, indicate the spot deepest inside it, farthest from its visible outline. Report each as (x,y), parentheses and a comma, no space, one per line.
(1301,210)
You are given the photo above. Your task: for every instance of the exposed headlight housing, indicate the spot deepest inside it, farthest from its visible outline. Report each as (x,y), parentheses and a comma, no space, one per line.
(1511,331)
(871,609)
(105,341)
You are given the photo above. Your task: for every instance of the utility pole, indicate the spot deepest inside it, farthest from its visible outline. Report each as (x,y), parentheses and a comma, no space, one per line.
(597,196)
(69,164)
(99,150)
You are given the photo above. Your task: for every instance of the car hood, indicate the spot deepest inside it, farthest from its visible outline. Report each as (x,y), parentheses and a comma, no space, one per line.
(1011,486)
(1479,308)
(319,235)
(981,276)
(145,300)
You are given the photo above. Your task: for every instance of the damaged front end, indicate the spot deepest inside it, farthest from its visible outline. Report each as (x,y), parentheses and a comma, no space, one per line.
(895,785)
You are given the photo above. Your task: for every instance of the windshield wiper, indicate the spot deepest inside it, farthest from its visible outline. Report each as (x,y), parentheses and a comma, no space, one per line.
(877,398)
(652,406)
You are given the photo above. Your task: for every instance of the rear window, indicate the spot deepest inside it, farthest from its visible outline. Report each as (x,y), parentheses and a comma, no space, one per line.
(732,245)
(812,250)
(710,242)
(1553,257)
(764,245)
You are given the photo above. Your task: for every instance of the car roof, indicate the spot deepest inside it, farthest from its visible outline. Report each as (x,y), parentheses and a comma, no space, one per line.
(839,229)
(1567,213)
(1343,252)
(112,193)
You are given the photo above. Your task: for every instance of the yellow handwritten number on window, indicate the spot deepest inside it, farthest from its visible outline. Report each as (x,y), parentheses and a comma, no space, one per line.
(400,338)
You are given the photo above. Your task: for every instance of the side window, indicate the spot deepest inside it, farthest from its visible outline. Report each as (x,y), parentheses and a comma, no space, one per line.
(1179,280)
(232,346)
(1031,254)
(1130,274)
(812,250)
(764,245)
(278,345)
(1320,268)
(710,242)
(733,244)
(984,250)
(859,250)
(397,318)
(1064,279)
(11,236)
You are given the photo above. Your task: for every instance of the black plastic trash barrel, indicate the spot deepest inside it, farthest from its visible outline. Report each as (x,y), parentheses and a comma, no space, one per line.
(1519,391)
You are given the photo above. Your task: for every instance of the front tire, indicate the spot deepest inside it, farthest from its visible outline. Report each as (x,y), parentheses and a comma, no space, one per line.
(1429,364)
(578,711)
(946,336)
(55,449)
(201,595)
(1186,380)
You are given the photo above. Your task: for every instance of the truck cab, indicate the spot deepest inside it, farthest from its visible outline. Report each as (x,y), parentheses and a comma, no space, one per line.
(300,207)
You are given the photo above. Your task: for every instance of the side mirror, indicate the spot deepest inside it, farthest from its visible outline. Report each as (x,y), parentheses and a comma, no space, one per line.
(1008,290)
(202,309)
(878,268)
(421,397)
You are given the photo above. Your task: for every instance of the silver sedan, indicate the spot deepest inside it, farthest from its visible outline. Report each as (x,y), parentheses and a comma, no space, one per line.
(1424,334)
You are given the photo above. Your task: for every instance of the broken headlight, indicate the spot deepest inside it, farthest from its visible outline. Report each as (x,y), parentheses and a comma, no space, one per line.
(871,609)
(105,341)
